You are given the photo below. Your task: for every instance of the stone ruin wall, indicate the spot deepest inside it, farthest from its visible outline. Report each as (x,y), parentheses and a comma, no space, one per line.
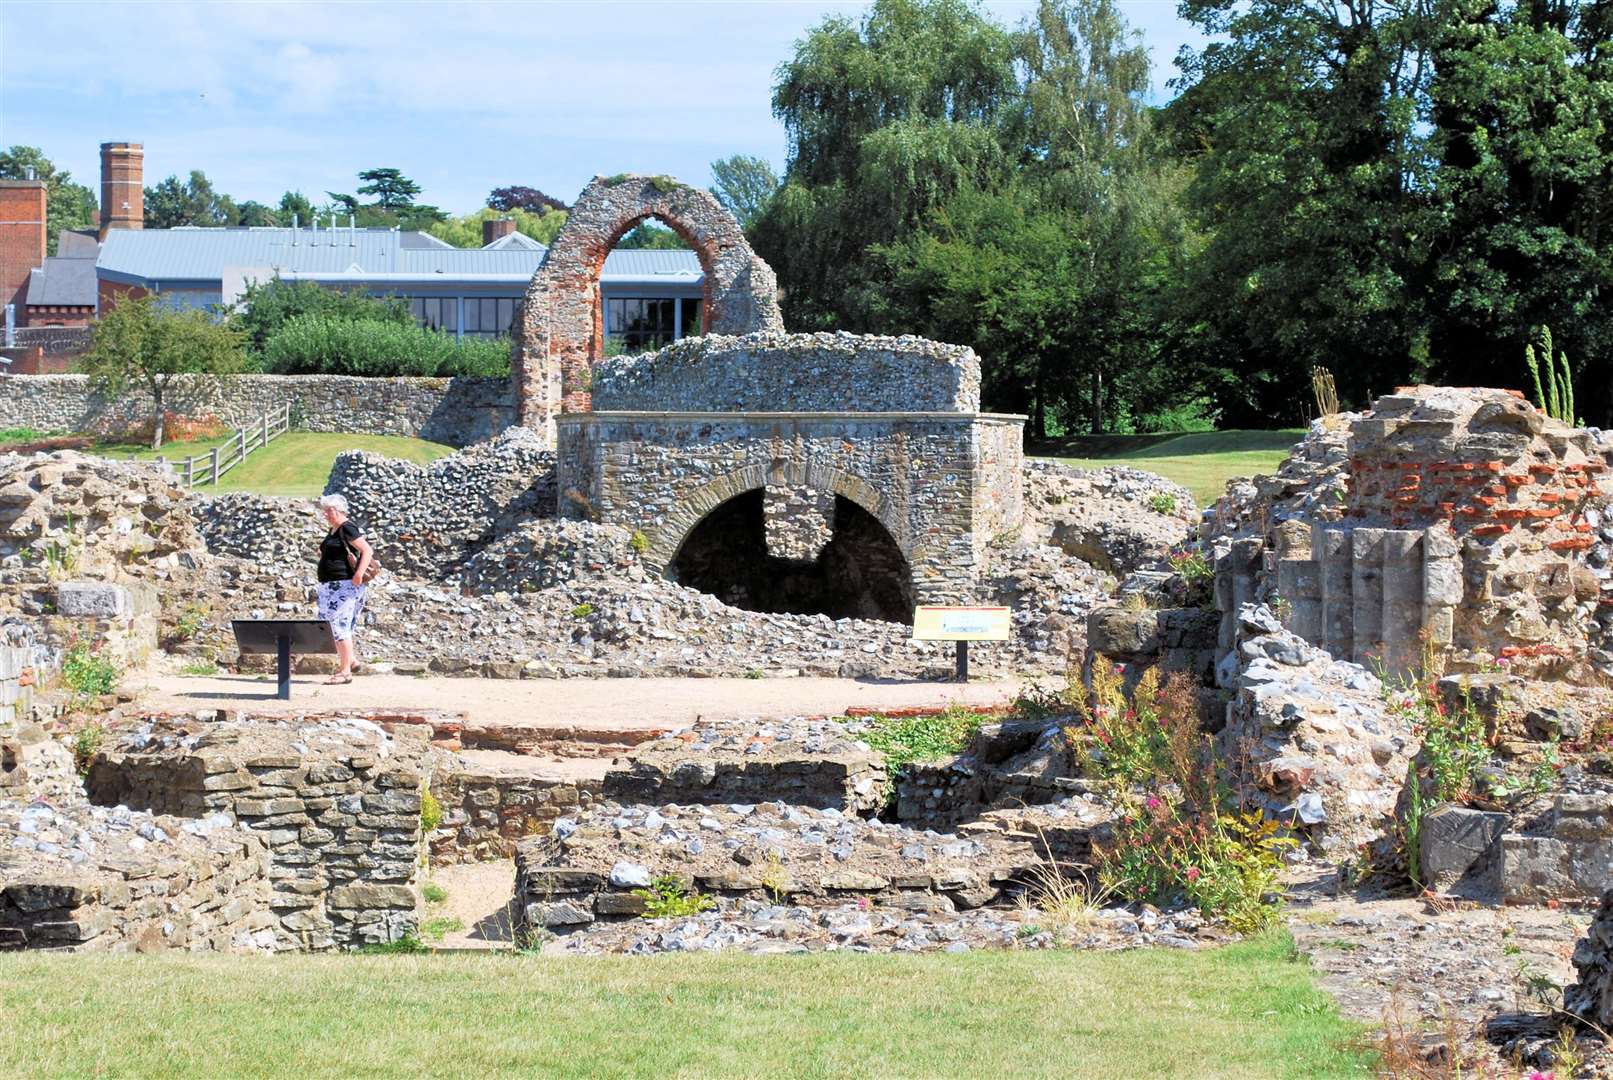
(1465,522)
(773,372)
(336,804)
(560,336)
(458,411)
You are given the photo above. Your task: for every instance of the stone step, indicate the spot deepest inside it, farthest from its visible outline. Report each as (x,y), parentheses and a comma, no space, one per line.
(596,739)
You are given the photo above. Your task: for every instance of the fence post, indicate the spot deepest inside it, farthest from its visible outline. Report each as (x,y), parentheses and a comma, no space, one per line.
(188,481)
(214,455)
(266,431)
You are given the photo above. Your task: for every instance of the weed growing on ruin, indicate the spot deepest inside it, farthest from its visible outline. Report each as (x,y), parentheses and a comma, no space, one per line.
(582,611)
(1063,905)
(615,179)
(199,667)
(430,811)
(1454,742)
(434,893)
(1180,838)
(435,929)
(666,898)
(754,673)
(1193,567)
(408,944)
(62,557)
(190,622)
(87,673)
(774,878)
(1162,502)
(666,185)
(639,542)
(909,740)
(85,746)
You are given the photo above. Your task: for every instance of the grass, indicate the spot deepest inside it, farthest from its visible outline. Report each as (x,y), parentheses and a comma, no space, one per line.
(1248,1010)
(297,463)
(1202,462)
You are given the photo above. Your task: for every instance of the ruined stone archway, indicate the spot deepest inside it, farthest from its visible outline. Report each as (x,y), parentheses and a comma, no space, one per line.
(561,333)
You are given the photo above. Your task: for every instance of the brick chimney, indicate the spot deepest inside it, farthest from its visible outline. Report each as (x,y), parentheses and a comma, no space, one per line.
(496,228)
(123,199)
(22,240)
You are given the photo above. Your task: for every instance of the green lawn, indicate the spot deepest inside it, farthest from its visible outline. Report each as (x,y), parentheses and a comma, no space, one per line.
(297,463)
(1243,1011)
(1201,462)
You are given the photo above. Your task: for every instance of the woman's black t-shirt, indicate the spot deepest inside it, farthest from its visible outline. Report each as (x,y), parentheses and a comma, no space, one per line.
(333,553)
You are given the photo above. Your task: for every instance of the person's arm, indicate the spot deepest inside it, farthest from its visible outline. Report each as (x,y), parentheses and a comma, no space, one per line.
(365,555)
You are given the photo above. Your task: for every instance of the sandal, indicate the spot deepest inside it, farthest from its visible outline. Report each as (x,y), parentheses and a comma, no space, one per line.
(338,680)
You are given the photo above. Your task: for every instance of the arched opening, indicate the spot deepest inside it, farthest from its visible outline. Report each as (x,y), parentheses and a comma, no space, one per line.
(645,292)
(860,573)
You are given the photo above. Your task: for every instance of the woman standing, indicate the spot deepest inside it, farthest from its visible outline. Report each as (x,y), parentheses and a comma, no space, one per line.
(344,557)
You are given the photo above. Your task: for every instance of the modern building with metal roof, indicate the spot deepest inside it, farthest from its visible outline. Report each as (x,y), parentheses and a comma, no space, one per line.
(649,296)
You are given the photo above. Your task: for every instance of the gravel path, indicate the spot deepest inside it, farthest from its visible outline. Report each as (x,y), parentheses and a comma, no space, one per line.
(628,703)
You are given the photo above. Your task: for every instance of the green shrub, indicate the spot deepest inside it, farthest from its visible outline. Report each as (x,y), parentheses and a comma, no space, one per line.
(1193,566)
(88,674)
(639,542)
(318,344)
(582,611)
(86,742)
(265,307)
(1162,503)
(407,945)
(433,893)
(666,898)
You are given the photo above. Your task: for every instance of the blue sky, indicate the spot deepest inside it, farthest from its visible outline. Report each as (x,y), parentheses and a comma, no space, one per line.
(463,97)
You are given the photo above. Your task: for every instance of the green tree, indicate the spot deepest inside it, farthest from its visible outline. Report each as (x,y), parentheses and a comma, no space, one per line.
(67,205)
(1522,109)
(144,344)
(743,185)
(392,190)
(466,232)
(887,119)
(295,206)
(647,234)
(253,212)
(194,202)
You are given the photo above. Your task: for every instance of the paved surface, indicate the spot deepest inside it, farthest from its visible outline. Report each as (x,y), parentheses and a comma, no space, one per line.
(627,703)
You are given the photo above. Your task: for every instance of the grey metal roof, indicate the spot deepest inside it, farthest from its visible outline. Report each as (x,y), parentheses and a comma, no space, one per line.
(513,240)
(63,283)
(202,254)
(77,244)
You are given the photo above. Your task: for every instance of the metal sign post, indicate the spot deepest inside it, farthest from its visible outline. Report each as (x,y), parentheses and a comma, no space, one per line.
(936,622)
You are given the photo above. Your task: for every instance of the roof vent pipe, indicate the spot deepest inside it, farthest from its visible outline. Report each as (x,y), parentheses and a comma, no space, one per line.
(294,230)
(352,230)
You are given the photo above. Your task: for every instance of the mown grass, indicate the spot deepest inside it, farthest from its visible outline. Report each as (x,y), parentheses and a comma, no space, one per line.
(297,463)
(1202,462)
(1248,1010)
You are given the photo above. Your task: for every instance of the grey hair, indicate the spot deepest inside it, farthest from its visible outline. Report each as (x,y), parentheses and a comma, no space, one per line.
(337,503)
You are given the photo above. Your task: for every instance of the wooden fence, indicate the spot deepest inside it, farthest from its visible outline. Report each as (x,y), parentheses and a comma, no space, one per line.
(208,468)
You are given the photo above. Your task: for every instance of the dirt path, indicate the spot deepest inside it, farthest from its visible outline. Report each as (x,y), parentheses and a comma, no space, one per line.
(478,901)
(545,702)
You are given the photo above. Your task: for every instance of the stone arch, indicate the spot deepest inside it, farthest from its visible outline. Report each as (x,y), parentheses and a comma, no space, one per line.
(693,508)
(561,333)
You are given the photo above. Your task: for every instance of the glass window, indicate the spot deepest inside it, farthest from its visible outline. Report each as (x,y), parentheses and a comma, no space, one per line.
(691,317)
(473,317)
(506,315)
(641,323)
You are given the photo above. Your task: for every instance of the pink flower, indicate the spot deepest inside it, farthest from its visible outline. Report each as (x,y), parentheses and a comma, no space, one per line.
(1192,874)
(1154,803)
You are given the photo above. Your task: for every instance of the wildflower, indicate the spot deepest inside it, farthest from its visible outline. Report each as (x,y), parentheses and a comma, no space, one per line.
(1192,874)
(1154,803)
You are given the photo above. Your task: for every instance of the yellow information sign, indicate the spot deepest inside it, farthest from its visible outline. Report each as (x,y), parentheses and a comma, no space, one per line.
(941,623)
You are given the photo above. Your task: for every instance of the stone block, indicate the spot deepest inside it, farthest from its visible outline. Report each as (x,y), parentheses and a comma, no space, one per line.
(362,897)
(1452,840)
(92,600)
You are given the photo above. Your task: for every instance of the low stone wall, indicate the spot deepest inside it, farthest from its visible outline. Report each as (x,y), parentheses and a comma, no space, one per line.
(487,809)
(1566,858)
(16,687)
(804,372)
(88,878)
(589,867)
(336,802)
(803,763)
(458,411)
(425,519)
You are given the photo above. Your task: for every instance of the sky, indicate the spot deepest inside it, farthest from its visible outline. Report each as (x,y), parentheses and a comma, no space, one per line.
(463,97)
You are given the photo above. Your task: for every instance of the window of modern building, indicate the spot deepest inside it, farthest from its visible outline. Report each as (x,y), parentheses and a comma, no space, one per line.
(436,312)
(640,323)
(485,316)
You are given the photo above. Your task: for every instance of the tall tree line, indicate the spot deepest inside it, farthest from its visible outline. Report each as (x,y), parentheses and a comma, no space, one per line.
(1394,190)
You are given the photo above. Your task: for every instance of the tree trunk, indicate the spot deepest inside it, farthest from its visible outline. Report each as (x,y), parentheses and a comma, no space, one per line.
(1038,408)
(1097,401)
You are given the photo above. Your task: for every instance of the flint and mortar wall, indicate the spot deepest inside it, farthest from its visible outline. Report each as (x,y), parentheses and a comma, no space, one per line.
(924,476)
(807,372)
(457,411)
